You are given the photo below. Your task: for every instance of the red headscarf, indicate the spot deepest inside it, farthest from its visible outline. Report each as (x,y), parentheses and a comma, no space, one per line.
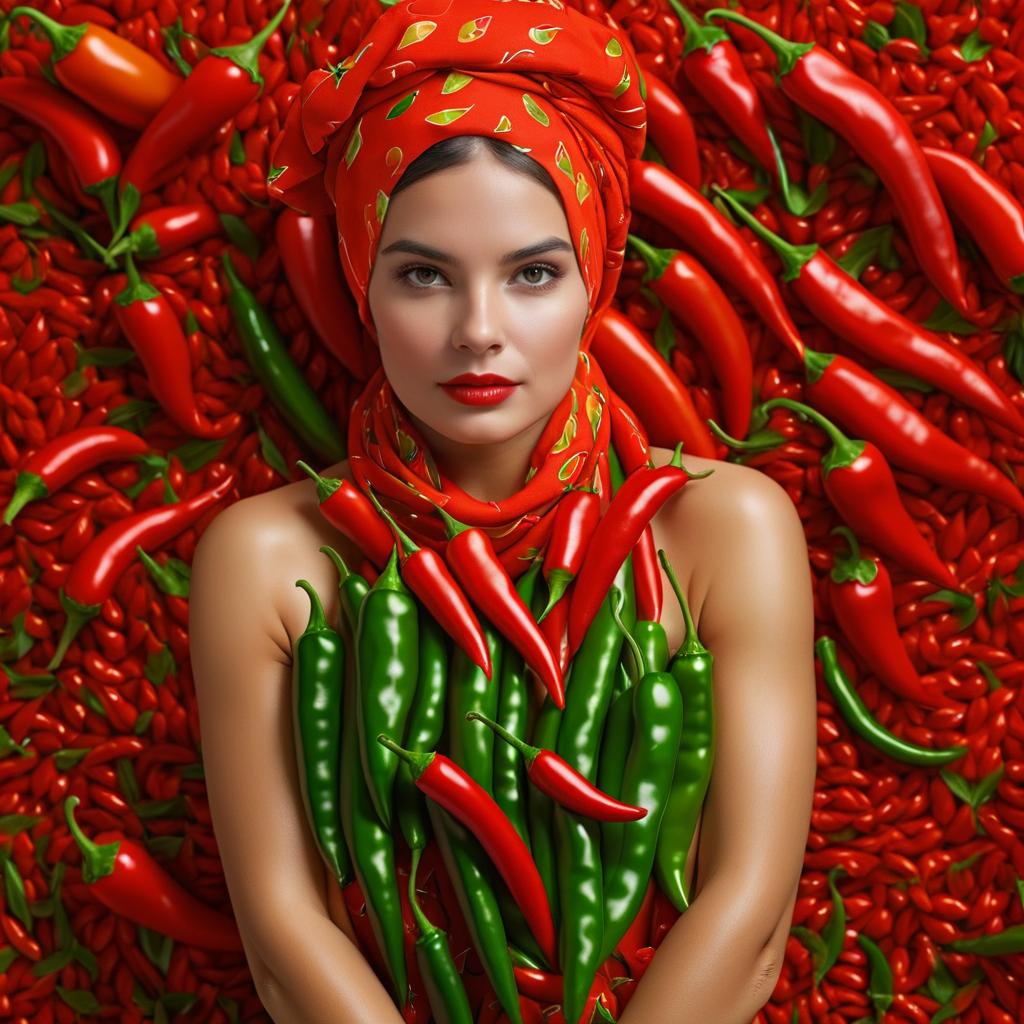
(551,81)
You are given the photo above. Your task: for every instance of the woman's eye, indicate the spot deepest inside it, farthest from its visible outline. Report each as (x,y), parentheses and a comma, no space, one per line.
(412,276)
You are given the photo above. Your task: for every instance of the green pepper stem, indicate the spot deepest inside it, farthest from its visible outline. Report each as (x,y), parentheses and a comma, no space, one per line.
(246,55)
(844,451)
(233,279)
(28,487)
(339,563)
(787,53)
(409,546)
(751,444)
(528,751)
(425,925)
(656,258)
(618,599)
(78,615)
(453,526)
(97,861)
(557,581)
(691,642)
(137,289)
(325,486)
(852,567)
(418,762)
(63,37)
(698,34)
(317,619)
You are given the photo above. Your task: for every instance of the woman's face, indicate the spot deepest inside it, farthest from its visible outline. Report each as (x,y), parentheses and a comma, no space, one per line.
(465,303)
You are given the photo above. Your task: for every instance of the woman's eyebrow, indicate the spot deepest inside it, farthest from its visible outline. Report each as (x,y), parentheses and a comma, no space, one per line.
(552,244)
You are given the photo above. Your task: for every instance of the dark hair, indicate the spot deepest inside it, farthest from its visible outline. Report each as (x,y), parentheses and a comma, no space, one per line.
(460,149)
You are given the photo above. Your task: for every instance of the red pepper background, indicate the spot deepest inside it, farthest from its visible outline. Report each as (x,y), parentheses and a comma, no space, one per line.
(920,868)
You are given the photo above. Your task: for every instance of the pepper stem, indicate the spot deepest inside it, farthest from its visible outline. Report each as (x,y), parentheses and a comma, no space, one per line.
(691,642)
(63,37)
(246,55)
(698,34)
(453,526)
(794,257)
(78,615)
(317,619)
(617,599)
(325,486)
(528,751)
(28,487)
(557,580)
(137,289)
(409,546)
(852,567)
(339,563)
(762,441)
(844,451)
(424,924)
(815,364)
(656,258)
(390,579)
(418,762)
(97,861)
(787,53)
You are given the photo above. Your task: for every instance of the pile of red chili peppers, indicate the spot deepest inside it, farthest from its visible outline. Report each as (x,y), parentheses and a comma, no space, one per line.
(824,283)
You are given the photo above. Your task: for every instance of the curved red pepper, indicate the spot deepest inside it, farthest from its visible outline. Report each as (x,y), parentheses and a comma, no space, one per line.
(644,379)
(169,229)
(155,333)
(669,125)
(106,557)
(693,295)
(575,520)
(657,193)
(65,457)
(827,89)
(123,876)
(860,594)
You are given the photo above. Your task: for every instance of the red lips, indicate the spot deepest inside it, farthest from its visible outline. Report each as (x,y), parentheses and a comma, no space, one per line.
(478,380)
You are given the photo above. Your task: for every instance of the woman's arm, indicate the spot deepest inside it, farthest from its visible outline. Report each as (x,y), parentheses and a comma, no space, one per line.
(306,970)
(722,958)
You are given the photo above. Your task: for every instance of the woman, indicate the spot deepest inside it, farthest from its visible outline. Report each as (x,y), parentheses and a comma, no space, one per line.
(489,262)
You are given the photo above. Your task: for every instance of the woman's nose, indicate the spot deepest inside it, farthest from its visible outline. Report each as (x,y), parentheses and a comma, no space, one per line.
(479,318)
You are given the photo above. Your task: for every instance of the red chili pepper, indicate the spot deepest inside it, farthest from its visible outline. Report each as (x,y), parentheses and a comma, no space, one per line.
(154,331)
(657,193)
(860,484)
(980,202)
(641,495)
(309,253)
(557,778)
(575,519)
(105,70)
(670,128)
(81,135)
(167,230)
(464,798)
(642,377)
(828,90)
(693,295)
(98,568)
(347,508)
(225,81)
(65,457)
(845,306)
(423,569)
(866,405)
(554,630)
(860,594)
(124,877)
(647,578)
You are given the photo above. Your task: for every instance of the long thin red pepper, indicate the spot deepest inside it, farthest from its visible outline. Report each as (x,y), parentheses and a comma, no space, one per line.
(553,628)
(169,229)
(575,520)
(122,874)
(642,493)
(670,128)
(860,484)
(657,193)
(220,85)
(647,578)
(867,406)
(59,461)
(980,203)
(309,253)
(693,295)
(860,595)
(845,306)
(105,70)
(827,89)
(464,798)
(350,511)
(155,333)
(423,569)
(557,778)
(642,377)
(106,557)
(473,560)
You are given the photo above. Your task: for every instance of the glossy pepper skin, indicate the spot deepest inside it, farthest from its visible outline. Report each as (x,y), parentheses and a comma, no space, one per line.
(575,519)
(658,723)
(828,90)
(670,129)
(387,660)
(111,74)
(352,591)
(692,668)
(860,594)
(540,807)
(861,487)
(318,673)
(470,690)
(60,460)
(860,719)
(123,876)
(170,229)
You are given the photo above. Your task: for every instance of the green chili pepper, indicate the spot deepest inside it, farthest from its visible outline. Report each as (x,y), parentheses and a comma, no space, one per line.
(1009,940)
(879,977)
(658,717)
(469,868)
(618,735)
(652,640)
(285,383)
(692,668)
(622,681)
(318,668)
(370,845)
(424,728)
(545,735)
(860,719)
(352,591)
(445,991)
(387,664)
(472,748)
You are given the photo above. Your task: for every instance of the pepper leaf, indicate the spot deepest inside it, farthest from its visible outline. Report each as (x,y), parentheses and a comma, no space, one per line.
(945,318)
(879,977)
(902,380)
(819,142)
(20,213)
(834,931)
(172,45)
(86,958)
(988,136)
(8,745)
(164,847)
(14,889)
(958,785)
(909,23)
(173,808)
(750,198)
(18,643)
(104,356)
(157,947)
(964,604)
(54,962)
(167,577)
(230,1007)
(126,777)
(272,454)
(159,665)
(237,152)
(865,250)
(67,758)
(993,680)
(7,174)
(876,35)
(7,957)
(32,167)
(132,415)
(178,1002)
(665,335)
(242,236)
(984,789)
(974,48)
(1013,349)
(12,824)
(813,941)
(941,984)
(80,999)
